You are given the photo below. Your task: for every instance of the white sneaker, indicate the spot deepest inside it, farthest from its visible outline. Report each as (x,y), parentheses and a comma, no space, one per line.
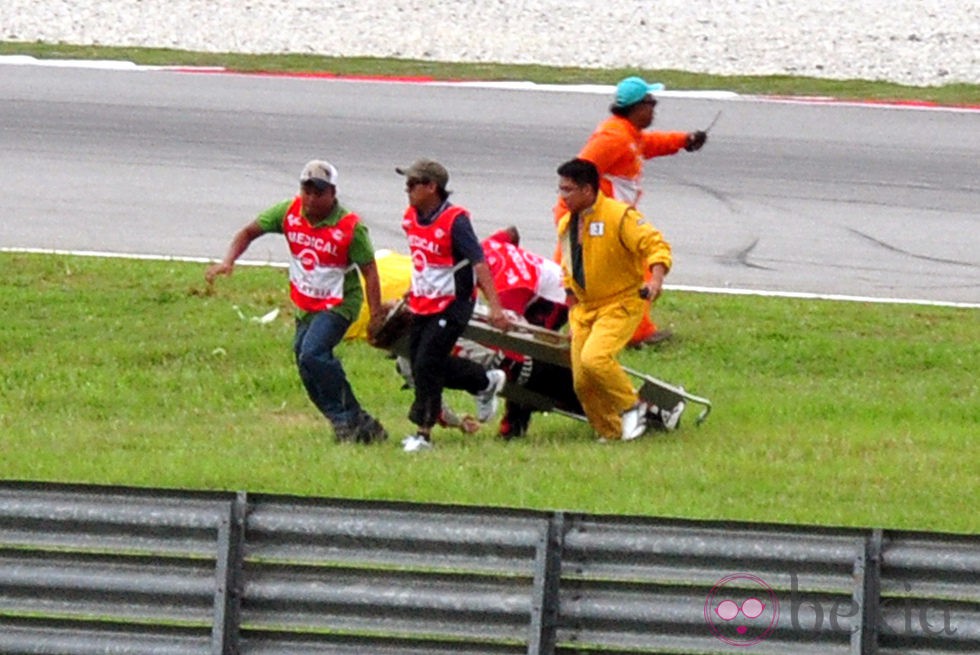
(415,442)
(634,421)
(486,400)
(671,417)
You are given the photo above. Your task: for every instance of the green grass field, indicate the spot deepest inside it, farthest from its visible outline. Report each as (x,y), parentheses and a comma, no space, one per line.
(836,413)
(131,372)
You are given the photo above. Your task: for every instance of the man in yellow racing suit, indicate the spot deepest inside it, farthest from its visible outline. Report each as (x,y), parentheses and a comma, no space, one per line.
(607,248)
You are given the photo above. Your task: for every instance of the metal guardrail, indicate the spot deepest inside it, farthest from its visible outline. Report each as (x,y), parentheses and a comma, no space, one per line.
(87,570)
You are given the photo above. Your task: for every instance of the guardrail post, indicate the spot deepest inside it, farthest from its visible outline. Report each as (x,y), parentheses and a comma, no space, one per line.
(867,595)
(547,576)
(228,575)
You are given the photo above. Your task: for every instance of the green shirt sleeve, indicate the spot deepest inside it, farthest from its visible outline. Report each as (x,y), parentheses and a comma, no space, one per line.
(271,219)
(361,249)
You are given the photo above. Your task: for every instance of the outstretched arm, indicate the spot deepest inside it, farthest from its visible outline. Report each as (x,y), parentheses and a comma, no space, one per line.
(239,244)
(660,144)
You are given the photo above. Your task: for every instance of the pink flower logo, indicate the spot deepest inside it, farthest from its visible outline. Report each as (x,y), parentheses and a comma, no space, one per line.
(741,609)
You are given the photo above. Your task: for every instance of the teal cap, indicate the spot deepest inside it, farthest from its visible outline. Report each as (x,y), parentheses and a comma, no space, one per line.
(634,89)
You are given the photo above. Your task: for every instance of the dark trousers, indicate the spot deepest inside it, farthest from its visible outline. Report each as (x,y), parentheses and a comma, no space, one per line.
(431,341)
(322,373)
(549,380)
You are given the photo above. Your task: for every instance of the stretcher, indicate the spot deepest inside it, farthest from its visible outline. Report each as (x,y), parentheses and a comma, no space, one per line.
(666,402)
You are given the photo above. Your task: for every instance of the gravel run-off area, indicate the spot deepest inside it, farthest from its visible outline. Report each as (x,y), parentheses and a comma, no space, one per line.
(916,42)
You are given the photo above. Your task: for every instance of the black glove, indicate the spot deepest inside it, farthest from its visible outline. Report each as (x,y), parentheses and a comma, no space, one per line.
(695,140)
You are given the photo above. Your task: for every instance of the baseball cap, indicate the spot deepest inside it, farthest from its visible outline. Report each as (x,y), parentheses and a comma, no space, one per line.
(426,169)
(634,89)
(320,173)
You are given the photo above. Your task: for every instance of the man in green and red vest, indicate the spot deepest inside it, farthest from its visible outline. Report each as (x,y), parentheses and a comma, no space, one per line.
(327,244)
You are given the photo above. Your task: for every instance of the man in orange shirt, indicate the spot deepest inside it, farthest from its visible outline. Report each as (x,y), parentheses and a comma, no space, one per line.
(618,148)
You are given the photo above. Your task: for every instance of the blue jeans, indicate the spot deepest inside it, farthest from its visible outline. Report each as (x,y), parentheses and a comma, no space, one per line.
(322,373)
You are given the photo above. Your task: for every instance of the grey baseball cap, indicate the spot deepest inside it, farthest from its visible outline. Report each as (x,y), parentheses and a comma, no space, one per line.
(426,169)
(320,173)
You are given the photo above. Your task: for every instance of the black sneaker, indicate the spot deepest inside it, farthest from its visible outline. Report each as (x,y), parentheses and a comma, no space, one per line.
(344,433)
(370,430)
(514,423)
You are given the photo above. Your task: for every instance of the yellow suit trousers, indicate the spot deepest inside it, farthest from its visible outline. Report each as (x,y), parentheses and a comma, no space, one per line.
(599,334)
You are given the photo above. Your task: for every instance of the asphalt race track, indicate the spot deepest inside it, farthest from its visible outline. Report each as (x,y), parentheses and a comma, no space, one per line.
(824,198)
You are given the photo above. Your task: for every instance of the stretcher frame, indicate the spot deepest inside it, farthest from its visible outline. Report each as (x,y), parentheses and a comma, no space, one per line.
(553,347)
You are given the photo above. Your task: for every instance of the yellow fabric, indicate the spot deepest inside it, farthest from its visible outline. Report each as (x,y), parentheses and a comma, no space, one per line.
(618,247)
(395,271)
(599,334)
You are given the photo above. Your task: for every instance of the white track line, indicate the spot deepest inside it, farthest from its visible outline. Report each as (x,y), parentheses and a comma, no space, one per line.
(677,287)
